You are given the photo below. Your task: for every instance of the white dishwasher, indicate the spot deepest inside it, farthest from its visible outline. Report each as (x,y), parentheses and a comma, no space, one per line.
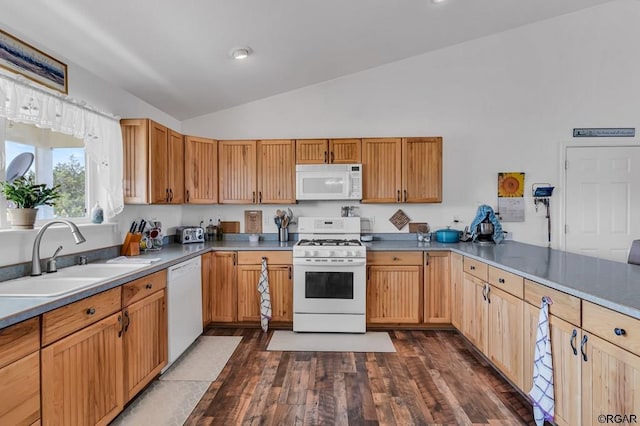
(184,306)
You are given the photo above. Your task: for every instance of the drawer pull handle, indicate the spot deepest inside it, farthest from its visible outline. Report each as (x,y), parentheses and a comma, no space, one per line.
(149,286)
(395,258)
(501,280)
(473,268)
(484,292)
(91,311)
(122,326)
(488,291)
(127,320)
(572,341)
(582,345)
(619,331)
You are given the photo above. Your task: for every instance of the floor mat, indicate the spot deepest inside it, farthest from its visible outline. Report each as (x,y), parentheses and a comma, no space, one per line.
(283,340)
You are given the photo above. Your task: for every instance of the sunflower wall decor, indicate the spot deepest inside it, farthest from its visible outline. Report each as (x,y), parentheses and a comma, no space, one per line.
(510,184)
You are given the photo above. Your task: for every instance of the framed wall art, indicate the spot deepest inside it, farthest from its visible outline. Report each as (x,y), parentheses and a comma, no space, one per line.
(22,58)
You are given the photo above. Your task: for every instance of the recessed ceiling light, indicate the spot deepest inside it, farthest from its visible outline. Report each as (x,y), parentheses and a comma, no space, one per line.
(438,1)
(240,53)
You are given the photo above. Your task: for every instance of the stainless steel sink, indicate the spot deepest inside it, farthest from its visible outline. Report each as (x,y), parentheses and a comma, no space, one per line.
(65,281)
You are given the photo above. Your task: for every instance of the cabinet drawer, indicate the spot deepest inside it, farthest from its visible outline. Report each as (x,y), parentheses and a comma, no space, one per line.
(394,258)
(273,257)
(564,305)
(511,283)
(19,340)
(476,268)
(142,287)
(64,321)
(604,323)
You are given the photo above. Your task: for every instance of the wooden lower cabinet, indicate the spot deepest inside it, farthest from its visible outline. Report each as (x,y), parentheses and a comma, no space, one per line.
(437,288)
(223,293)
(567,364)
(610,381)
(456,276)
(393,294)
(82,381)
(475,311)
(207,275)
(504,333)
(280,289)
(145,342)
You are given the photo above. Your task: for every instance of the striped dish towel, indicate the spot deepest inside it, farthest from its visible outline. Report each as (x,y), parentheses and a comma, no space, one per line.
(265,296)
(542,391)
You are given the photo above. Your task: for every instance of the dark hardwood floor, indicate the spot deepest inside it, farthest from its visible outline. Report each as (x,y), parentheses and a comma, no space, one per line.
(435,377)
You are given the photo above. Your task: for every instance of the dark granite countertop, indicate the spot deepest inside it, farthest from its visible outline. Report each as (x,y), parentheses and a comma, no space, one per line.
(612,284)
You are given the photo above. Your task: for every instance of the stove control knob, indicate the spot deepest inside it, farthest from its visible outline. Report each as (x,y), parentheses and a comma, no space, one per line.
(351,253)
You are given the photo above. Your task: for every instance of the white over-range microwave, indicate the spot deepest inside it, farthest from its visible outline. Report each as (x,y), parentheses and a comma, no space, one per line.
(329,182)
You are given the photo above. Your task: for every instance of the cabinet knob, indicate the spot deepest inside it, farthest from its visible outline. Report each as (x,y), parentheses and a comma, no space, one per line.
(501,280)
(473,268)
(619,331)
(395,258)
(149,286)
(91,311)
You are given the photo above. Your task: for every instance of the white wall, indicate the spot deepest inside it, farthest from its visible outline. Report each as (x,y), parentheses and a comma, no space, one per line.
(502,103)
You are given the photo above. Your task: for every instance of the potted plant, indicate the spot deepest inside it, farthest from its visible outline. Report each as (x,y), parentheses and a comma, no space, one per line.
(26,196)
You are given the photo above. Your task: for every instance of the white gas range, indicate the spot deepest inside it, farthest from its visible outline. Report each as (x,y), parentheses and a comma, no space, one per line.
(329,276)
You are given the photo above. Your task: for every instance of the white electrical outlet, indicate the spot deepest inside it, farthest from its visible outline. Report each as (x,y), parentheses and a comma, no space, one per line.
(508,235)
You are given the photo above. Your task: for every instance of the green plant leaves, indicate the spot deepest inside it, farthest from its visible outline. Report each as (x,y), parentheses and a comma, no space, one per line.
(26,194)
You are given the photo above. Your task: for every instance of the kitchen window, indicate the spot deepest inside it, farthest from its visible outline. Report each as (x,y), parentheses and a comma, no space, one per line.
(58,159)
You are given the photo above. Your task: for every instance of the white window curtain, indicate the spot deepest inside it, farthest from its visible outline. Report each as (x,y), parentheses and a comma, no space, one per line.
(22,102)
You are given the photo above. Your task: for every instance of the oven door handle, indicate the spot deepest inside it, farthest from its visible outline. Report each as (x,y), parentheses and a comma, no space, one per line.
(303,262)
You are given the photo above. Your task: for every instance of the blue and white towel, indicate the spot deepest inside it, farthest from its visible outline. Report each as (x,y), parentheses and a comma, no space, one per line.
(542,391)
(265,296)
(483,212)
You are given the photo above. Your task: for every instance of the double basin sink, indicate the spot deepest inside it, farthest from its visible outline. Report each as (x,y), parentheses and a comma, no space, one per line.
(66,280)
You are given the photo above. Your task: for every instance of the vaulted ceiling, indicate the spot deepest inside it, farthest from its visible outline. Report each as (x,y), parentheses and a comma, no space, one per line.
(176,55)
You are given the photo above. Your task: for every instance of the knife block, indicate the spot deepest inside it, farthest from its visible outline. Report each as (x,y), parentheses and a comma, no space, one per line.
(131,245)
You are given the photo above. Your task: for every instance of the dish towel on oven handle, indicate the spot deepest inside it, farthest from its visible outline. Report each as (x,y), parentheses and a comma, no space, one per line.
(542,391)
(265,296)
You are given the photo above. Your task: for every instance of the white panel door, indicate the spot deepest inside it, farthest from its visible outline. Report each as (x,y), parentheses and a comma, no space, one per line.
(603,201)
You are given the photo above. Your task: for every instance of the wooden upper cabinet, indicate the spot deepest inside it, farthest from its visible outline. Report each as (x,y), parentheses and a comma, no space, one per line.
(345,151)
(237,172)
(381,170)
(135,134)
(276,172)
(153,163)
(422,170)
(312,151)
(326,151)
(200,170)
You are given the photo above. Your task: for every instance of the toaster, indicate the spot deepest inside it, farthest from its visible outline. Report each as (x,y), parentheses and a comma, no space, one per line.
(189,234)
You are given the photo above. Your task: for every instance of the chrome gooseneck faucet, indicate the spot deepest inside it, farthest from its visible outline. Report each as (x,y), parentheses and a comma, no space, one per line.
(35,258)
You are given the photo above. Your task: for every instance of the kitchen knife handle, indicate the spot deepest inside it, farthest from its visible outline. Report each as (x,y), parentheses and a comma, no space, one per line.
(572,341)
(398,197)
(325,157)
(332,157)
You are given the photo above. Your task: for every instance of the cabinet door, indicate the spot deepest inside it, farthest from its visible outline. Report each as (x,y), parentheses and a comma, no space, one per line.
(82,376)
(422,170)
(474,311)
(145,342)
(135,150)
(456,290)
(175,167)
(201,170)
(345,151)
(20,390)
(223,291)
(393,294)
(207,285)
(610,381)
(504,346)
(276,172)
(312,151)
(565,341)
(158,171)
(437,288)
(381,170)
(280,289)
(237,172)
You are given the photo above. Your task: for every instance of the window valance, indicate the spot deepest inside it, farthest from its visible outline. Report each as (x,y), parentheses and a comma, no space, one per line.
(23,102)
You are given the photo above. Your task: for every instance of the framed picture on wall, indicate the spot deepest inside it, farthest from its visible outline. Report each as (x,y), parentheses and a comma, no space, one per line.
(22,58)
